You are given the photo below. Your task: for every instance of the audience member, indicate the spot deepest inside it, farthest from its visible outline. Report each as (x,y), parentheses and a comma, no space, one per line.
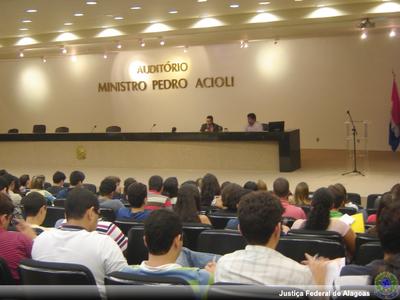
(262,186)
(37,185)
(107,189)
(339,196)
(137,198)
(319,219)
(127,182)
(76,179)
(170,189)
(10,179)
(301,194)
(281,190)
(3,186)
(58,183)
(188,205)
(77,240)
(394,191)
(155,200)
(34,210)
(163,239)
(25,182)
(15,246)
(209,189)
(260,215)
(251,185)
(118,193)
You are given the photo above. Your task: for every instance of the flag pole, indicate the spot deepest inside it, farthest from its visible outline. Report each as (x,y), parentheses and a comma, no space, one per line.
(394,74)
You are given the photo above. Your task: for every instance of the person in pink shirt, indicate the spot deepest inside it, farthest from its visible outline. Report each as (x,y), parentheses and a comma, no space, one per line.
(155,199)
(281,190)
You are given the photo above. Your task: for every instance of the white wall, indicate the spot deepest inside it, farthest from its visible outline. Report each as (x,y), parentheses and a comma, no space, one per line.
(309,83)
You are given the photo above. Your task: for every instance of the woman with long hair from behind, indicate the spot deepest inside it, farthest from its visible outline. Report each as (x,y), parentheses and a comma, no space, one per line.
(210,188)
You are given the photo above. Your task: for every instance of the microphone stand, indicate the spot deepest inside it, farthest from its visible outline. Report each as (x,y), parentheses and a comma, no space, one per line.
(354,130)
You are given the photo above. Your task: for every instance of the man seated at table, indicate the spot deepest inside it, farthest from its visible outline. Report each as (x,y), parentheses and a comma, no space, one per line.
(210,126)
(253,125)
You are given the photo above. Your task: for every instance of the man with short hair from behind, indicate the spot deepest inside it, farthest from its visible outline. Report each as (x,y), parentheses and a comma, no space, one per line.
(137,198)
(58,183)
(281,190)
(252,124)
(78,242)
(76,179)
(107,189)
(35,209)
(163,239)
(155,200)
(260,216)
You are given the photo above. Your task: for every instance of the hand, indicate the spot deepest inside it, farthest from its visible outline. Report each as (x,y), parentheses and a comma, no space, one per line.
(210,267)
(318,268)
(285,229)
(25,229)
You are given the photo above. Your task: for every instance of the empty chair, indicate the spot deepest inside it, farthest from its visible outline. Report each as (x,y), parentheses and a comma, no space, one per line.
(220,241)
(125,226)
(361,239)
(317,234)
(219,221)
(53,215)
(91,187)
(5,274)
(39,128)
(294,247)
(62,129)
(111,129)
(107,214)
(348,210)
(137,251)
(368,252)
(59,202)
(35,272)
(191,232)
(13,130)
(371,199)
(354,197)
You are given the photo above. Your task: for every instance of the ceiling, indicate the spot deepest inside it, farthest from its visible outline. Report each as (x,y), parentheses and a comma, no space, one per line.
(178,21)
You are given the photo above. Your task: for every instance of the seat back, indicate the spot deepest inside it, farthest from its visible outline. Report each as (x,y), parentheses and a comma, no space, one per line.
(54,189)
(125,226)
(5,273)
(39,128)
(53,214)
(62,129)
(137,251)
(13,130)
(59,202)
(368,252)
(361,239)
(124,278)
(220,241)
(191,232)
(219,221)
(348,210)
(107,214)
(111,129)
(371,198)
(91,187)
(318,234)
(295,247)
(354,197)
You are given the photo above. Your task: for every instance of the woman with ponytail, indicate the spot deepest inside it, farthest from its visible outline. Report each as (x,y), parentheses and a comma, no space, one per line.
(319,219)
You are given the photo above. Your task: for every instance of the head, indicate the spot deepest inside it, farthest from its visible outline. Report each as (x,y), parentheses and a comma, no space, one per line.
(301,193)
(137,194)
(3,185)
(260,215)
(82,207)
(37,182)
(339,195)
(210,120)
(188,204)
(170,187)
(388,224)
(107,187)
(127,182)
(224,185)
(34,206)
(261,185)
(163,234)
(76,178)
(281,187)
(24,180)
(59,178)
(251,118)
(251,185)
(231,195)
(10,179)
(6,211)
(117,181)
(156,183)
(209,189)
(319,216)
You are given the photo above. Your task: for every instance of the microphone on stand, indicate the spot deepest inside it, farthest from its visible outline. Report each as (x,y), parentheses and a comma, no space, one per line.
(151,129)
(94,127)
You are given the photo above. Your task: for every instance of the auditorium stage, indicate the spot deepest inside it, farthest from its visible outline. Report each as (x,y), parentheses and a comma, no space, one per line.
(319,168)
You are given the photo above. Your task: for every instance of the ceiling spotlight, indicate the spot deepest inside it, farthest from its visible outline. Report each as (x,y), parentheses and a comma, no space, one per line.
(68,23)
(31,10)
(118,18)
(78,14)
(119,46)
(364,35)
(136,7)
(185,49)
(105,56)
(142,43)
(201,1)
(174,11)
(44,60)
(26,21)
(234,6)
(366,23)
(91,2)
(392,33)
(162,42)
(23,29)
(244,44)
(64,50)
(21,54)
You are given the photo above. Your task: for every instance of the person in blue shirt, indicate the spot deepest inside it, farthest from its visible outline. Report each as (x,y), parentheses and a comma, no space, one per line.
(137,198)
(76,179)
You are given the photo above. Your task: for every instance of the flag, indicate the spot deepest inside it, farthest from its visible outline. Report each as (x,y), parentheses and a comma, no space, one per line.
(394,126)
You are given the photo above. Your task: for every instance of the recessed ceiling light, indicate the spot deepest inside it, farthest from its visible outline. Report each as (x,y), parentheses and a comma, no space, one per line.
(31,10)
(64,50)
(364,35)
(119,46)
(162,43)
(44,60)
(260,11)
(142,43)
(26,21)
(105,56)
(118,18)
(68,23)
(201,1)
(264,3)
(173,11)
(21,54)
(234,5)
(23,29)
(79,14)
(298,0)
(392,33)
(136,7)
(91,2)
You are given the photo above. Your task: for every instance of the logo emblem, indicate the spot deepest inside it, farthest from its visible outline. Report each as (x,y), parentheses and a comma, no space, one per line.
(386,285)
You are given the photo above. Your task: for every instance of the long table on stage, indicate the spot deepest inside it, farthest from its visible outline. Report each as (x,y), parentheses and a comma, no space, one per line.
(272,151)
